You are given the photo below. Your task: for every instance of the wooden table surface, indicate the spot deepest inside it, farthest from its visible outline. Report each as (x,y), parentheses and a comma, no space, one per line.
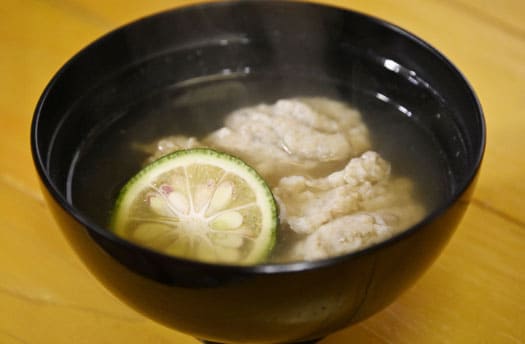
(474,293)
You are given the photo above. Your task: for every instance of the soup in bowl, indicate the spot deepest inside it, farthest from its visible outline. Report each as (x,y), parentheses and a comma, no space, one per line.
(343,151)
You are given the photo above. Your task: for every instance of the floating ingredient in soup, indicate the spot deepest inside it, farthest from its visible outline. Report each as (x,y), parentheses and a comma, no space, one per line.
(348,210)
(169,145)
(335,195)
(199,204)
(293,136)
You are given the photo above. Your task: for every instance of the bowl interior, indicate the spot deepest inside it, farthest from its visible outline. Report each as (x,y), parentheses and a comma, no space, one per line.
(189,67)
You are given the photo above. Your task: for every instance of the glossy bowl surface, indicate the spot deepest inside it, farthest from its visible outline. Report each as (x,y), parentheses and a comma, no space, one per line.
(265,303)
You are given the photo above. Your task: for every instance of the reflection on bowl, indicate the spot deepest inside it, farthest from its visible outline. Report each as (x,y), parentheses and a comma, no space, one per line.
(296,49)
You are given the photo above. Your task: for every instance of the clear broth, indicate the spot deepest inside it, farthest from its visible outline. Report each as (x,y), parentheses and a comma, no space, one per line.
(110,158)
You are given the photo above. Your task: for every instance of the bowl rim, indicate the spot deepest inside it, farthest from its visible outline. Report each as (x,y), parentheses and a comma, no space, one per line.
(39,157)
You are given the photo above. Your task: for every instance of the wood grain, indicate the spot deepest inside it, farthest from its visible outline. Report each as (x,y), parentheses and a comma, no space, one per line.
(475,292)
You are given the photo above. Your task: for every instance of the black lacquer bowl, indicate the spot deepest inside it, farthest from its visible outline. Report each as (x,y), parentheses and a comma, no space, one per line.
(283,41)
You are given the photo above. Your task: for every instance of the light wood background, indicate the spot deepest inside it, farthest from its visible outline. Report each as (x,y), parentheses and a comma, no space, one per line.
(474,293)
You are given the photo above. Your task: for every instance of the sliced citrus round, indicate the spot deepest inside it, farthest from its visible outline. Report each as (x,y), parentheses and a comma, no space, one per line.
(199,204)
